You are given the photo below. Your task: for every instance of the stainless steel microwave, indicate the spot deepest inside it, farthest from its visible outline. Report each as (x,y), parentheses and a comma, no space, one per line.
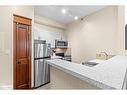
(61,44)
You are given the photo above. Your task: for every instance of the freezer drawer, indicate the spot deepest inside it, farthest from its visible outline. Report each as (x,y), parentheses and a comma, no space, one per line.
(46,72)
(41,72)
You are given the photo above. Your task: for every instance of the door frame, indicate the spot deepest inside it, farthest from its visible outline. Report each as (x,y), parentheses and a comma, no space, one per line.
(25,21)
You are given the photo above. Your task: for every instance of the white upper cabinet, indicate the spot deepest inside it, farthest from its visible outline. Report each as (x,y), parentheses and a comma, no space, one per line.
(49,36)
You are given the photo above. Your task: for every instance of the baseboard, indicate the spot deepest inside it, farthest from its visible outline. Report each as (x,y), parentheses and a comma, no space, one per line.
(40,85)
(6,87)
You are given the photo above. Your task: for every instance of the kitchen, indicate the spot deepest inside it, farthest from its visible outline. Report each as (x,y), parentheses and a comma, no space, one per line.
(66,50)
(60,68)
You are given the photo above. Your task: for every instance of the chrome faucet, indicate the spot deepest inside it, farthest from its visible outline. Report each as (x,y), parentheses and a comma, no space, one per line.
(105,54)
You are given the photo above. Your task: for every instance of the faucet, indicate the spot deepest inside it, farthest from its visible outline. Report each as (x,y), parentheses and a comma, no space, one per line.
(105,54)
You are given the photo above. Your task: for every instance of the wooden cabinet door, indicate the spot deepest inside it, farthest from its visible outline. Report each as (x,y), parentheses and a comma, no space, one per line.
(22,79)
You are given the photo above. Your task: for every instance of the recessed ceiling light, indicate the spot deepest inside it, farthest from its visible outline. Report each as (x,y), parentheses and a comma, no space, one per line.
(76,17)
(64,11)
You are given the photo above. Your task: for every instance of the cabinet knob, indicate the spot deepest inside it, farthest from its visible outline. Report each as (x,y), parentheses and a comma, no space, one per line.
(19,62)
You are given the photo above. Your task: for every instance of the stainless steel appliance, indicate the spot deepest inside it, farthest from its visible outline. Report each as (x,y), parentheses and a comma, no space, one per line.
(60,54)
(64,57)
(67,58)
(61,44)
(42,51)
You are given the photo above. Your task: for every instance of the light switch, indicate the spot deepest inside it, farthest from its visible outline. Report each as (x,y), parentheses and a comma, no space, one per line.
(7,52)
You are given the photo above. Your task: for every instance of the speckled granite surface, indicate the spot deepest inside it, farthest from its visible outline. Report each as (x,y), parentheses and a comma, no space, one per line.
(107,75)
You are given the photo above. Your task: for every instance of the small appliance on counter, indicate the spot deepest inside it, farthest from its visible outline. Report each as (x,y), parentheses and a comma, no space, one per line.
(42,51)
(67,58)
(64,57)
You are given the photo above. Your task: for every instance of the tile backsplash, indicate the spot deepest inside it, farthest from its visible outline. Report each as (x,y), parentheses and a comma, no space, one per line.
(65,51)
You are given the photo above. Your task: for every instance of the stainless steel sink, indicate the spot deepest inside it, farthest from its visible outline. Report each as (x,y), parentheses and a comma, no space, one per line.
(90,64)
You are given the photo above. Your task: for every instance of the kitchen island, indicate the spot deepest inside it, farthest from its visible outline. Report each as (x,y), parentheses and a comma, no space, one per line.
(108,75)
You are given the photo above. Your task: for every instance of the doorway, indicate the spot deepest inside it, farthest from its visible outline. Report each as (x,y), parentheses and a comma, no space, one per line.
(22,52)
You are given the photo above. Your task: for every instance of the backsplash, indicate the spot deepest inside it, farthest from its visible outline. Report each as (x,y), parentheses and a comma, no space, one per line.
(65,51)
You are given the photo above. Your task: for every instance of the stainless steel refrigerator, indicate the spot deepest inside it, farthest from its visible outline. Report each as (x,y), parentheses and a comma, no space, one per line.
(42,51)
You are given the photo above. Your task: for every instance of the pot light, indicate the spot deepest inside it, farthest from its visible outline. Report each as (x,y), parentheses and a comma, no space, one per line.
(76,17)
(64,11)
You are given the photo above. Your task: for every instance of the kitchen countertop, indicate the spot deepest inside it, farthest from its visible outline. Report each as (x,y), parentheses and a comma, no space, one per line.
(56,57)
(68,58)
(109,74)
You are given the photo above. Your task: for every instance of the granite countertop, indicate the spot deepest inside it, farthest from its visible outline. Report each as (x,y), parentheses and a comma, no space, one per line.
(109,74)
(56,57)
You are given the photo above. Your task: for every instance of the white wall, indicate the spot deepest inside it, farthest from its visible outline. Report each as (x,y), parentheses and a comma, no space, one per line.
(125,14)
(96,33)
(121,30)
(6,39)
(6,67)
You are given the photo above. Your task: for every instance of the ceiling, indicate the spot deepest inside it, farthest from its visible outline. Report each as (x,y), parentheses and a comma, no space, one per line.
(54,12)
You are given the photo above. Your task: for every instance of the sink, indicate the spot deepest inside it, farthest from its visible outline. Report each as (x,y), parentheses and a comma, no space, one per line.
(90,64)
